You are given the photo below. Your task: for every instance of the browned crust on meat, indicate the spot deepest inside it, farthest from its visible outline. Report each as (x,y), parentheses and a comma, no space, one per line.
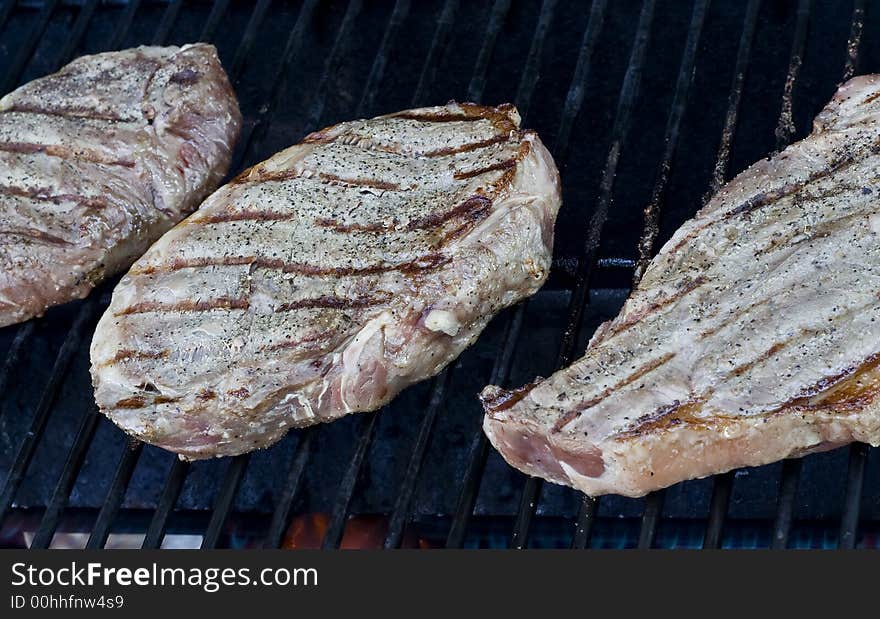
(507,164)
(42,194)
(656,306)
(504,399)
(474,204)
(185,306)
(333,302)
(846,392)
(32,234)
(69,111)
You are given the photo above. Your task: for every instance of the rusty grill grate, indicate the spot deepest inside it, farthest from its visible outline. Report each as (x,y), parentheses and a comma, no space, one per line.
(630,97)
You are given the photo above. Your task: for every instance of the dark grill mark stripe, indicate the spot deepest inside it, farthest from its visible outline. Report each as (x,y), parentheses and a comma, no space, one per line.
(36,235)
(428,262)
(507,164)
(244,215)
(638,373)
(45,195)
(465,148)
(472,207)
(256,176)
(186,306)
(333,302)
(62,152)
(127,354)
(654,307)
(76,112)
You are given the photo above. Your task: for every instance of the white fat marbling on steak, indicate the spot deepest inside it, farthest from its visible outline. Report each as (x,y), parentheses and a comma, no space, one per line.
(751,337)
(326,279)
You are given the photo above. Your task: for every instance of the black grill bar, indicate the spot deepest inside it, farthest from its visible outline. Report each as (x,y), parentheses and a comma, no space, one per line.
(225,499)
(247,39)
(340,44)
(17,67)
(479,450)
(654,502)
(251,141)
(218,10)
(651,518)
(29,443)
(785,129)
(281,515)
(722,162)
(791,473)
(438,45)
(855,39)
(115,495)
(169,18)
(76,455)
(718,504)
(478,80)
(5,12)
(339,515)
(13,355)
(403,505)
(577,303)
(722,484)
(855,479)
(377,71)
(124,24)
(173,485)
(533,62)
(501,369)
(83,18)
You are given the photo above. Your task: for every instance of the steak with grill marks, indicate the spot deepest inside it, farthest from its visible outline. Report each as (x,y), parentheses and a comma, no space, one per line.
(326,279)
(98,160)
(753,336)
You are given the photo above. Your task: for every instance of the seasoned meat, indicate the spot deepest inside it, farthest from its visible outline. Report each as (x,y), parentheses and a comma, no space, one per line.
(98,160)
(753,336)
(326,279)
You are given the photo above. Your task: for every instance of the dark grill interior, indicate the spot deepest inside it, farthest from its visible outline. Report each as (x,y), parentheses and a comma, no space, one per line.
(647,108)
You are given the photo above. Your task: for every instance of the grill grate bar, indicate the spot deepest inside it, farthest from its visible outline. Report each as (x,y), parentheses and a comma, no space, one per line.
(791,473)
(6,11)
(576,92)
(218,10)
(76,455)
(225,498)
(333,537)
(722,162)
(718,504)
(654,502)
(349,483)
(586,519)
(722,484)
(173,485)
(247,39)
(849,522)
(533,62)
(13,356)
(500,9)
(501,369)
(403,505)
(29,443)
(377,71)
(334,58)
(858,452)
(124,24)
(623,117)
(115,495)
(438,45)
(83,19)
(784,131)
(651,518)
(280,516)
(339,515)
(479,450)
(169,18)
(26,51)
(251,142)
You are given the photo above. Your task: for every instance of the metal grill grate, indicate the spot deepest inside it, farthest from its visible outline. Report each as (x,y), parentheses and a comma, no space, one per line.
(298,66)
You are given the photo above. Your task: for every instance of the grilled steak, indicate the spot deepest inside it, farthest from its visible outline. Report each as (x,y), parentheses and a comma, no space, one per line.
(326,279)
(101,158)
(753,336)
